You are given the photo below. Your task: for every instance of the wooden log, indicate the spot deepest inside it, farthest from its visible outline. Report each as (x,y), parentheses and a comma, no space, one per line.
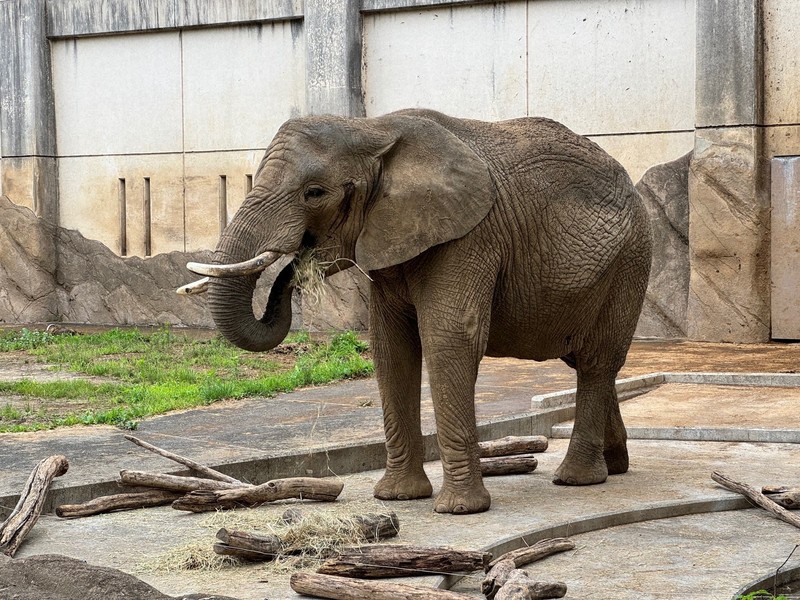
(25,514)
(513,444)
(508,465)
(777,489)
(305,488)
(521,587)
(369,562)
(539,550)
(496,577)
(789,500)
(248,546)
(757,497)
(187,462)
(176,483)
(785,496)
(376,527)
(104,504)
(345,588)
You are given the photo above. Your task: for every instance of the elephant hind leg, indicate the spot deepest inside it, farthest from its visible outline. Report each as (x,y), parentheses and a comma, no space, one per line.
(585,463)
(615,446)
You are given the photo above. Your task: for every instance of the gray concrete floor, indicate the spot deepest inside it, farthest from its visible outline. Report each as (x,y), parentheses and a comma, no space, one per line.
(637,535)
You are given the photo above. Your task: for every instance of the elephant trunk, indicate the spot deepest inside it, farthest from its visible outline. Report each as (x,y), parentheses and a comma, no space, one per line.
(230,299)
(231,305)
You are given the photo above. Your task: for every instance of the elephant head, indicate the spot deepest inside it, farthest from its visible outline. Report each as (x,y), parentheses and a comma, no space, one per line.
(376,192)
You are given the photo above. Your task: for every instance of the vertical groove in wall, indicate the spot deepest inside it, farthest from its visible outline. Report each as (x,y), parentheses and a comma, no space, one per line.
(223,202)
(527,59)
(146,217)
(248,184)
(183,142)
(123,219)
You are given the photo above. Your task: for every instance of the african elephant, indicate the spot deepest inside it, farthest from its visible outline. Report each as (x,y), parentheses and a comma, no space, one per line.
(517,238)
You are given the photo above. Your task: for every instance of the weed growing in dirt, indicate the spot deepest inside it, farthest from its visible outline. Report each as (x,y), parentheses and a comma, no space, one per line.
(761,595)
(137,374)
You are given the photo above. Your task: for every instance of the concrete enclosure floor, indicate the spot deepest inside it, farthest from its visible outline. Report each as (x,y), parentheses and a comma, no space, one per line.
(651,533)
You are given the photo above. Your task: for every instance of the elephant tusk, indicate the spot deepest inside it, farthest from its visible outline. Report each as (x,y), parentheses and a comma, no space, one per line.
(248,267)
(196,287)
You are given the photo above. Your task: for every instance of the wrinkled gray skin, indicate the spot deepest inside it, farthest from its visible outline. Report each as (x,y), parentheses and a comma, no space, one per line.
(518,238)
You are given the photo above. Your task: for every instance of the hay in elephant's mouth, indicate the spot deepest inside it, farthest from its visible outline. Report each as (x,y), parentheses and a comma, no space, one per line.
(309,276)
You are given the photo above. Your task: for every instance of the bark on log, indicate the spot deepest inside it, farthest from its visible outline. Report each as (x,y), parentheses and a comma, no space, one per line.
(789,500)
(369,562)
(248,546)
(513,444)
(187,462)
(509,465)
(757,497)
(777,489)
(520,587)
(344,588)
(175,483)
(105,504)
(305,488)
(376,527)
(496,577)
(540,550)
(25,514)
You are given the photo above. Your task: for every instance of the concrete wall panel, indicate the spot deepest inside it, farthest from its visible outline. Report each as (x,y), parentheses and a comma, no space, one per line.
(118,95)
(637,153)
(241,83)
(204,174)
(782,61)
(615,66)
(89,188)
(465,61)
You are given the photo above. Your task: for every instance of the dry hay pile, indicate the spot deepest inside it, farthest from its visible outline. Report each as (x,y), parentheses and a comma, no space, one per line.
(313,537)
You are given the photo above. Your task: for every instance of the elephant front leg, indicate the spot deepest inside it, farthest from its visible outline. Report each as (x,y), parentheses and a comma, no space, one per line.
(398,367)
(452,375)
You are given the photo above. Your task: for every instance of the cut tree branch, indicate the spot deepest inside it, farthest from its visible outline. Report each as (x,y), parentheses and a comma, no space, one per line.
(175,483)
(757,497)
(540,550)
(25,514)
(345,588)
(369,562)
(305,488)
(187,462)
(105,504)
(509,465)
(513,444)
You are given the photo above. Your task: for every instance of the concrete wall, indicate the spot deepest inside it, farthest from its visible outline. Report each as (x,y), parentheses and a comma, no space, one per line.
(180,98)
(174,108)
(621,72)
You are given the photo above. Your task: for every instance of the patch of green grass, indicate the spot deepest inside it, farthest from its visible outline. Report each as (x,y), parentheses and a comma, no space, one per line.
(761,595)
(154,373)
(25,339)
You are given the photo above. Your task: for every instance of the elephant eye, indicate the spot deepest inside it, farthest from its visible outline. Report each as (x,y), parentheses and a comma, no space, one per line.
(314,192)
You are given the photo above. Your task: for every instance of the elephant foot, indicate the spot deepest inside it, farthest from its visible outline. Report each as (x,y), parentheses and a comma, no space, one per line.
(616,460)
(461,500)
(575,472)
(403,486)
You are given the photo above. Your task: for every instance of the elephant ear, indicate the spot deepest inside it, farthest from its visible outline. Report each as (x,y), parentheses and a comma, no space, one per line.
(434,189)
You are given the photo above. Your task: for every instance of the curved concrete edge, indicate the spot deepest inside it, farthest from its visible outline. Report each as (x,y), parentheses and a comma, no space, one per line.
(635,386)
(770,581)
(587,524)
(323,461)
